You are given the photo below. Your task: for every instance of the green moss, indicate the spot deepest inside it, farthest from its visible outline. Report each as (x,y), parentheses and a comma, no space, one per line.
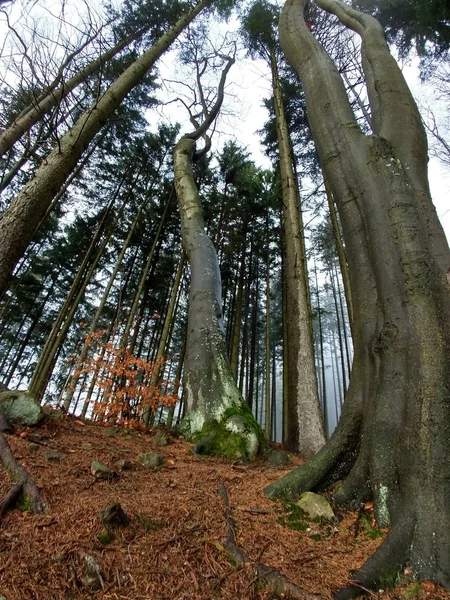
(227,438)
(295,518)
(244,410)
(105,536)
(389,579)
(24,502)
(369,530)
(414,590)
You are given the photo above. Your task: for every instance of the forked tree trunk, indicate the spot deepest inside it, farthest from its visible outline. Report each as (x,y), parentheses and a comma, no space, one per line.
(392,444)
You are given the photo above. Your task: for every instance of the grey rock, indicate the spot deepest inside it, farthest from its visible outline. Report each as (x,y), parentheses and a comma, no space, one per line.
(159,439)
(150,460)
(20,408)
(33,448)
(278,457)
(92,578)
(54,455)
(123,464)
(316,506)
(113,516)
(100,471)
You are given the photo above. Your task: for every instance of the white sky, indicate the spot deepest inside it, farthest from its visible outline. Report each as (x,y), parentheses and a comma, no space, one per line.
(249,84)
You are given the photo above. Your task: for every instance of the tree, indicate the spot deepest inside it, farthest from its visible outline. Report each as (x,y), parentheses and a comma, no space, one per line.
(305,432)
(424,24)
(392,444)
(218,418)
(20,221)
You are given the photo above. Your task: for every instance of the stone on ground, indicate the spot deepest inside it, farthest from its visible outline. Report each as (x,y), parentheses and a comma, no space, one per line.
(316,506)
(20,408)
(150,460)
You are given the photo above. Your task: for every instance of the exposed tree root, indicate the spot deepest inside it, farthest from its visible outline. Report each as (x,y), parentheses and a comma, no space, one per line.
(382,569)
(31,494)
(268,577)
(10,499)
(5,427)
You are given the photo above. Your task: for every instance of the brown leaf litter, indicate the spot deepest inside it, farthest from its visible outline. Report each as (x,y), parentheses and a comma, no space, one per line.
(173,548)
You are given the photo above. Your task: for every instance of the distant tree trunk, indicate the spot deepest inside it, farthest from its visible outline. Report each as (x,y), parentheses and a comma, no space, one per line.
(305,432)
(164,340)
(392,443)
(267,370)
(19,222)
(47,358)
(236,337)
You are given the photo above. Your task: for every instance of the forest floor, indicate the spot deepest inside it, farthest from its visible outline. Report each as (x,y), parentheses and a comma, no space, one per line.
(173,548)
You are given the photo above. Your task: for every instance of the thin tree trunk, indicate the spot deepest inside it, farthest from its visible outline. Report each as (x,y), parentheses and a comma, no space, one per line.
(19,222)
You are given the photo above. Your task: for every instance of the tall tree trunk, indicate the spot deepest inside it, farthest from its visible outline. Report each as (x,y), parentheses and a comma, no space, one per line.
(164,340)
(52,98)
(393,439)
(305,432)
(236,337)
(19,222)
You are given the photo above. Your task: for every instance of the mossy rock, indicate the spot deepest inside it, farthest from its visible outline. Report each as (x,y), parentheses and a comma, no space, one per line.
(150,460)
(277,457)
(159,439)
(316,506)
(20,408)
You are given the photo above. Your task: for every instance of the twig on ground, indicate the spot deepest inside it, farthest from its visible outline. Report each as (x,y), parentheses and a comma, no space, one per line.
(271,578)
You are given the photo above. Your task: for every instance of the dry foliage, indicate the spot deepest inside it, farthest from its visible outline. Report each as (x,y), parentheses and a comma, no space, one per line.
(174,547)
(125,381)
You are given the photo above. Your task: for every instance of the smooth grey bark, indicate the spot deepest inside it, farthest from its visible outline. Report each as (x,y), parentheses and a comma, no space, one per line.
(20,221)
(393,439)
(209,387)
(304,432)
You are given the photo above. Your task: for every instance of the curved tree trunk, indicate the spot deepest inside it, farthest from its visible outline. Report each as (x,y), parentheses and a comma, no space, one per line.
(393,440)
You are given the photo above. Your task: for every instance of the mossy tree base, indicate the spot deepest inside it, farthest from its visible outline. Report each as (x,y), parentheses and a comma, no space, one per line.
(236,434)
(30,497)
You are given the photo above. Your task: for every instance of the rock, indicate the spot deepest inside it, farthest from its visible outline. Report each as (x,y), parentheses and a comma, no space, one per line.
(33,447)
(277,457)
(123,464)
(100,471)
(54,455)
(20,408)
(92,574)
(86,446)
(150,460)
(36,438)
(159,439)
(315,506)
(113,516)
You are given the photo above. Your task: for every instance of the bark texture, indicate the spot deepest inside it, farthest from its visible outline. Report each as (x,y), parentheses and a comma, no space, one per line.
(305,433)
(20,221)
(393,440)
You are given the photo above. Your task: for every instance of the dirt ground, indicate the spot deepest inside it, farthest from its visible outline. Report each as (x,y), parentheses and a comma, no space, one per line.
(173,548)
